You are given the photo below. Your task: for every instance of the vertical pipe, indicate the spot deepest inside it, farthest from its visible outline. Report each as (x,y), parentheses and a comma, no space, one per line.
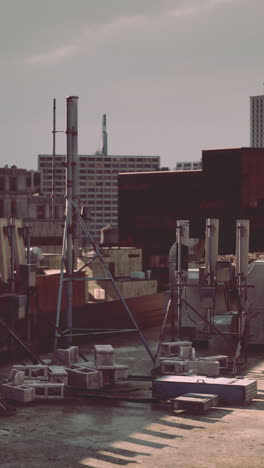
(63,262)
(69,217)
(75,174)
(27,231)
(242,250)
(28,323)
(104,137)
(12,243)
(53,161)
(179,228)
(211,248)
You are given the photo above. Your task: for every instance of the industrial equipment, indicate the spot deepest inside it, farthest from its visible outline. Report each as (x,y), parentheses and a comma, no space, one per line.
(219,303)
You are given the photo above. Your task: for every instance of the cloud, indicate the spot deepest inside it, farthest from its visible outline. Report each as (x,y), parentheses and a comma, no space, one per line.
(196,6)
(87,39)
(182,12)
(53,55)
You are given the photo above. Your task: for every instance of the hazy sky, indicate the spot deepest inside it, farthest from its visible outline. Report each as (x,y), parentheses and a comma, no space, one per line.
(173,76)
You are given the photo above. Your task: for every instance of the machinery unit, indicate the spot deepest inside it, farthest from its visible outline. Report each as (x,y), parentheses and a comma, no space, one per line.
(219,302)
(13,306)
(27,275)
(224,273)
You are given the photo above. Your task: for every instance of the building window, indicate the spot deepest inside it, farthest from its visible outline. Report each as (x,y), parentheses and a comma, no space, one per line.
(13,184)
(2,184)
(57,212)
(40,212)
(13,208)
(1,208)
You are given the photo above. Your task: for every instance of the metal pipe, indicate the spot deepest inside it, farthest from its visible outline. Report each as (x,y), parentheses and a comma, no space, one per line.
(211,248)
(53,161)
(242,250)
(27,231)
(69,216)
(179,228)
(12,259)
(75,175)
(63,254)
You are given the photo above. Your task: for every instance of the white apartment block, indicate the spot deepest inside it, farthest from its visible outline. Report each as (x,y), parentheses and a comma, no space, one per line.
(188,165)
(257,121)
(98,183)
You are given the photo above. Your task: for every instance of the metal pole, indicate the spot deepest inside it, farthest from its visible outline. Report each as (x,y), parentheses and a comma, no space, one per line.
(75,176)
(53,161)
(69,195)
(211,248)
(12,242)
(63,253)
(179,273)
(27,230)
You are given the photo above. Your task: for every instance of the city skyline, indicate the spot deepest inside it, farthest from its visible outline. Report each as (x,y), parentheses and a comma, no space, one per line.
(174,77)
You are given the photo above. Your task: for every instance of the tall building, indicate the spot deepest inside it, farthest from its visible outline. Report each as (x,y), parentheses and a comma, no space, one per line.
(229,187)
(98,182)
(257,121)
(188,166)
(16,189)
(20,199)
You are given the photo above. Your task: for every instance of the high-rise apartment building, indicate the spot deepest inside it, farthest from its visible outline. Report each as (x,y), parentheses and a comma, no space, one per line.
(257,121)
(98,182)
(188,166)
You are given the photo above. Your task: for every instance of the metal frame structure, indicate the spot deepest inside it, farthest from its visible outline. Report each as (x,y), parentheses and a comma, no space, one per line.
(73,220)
(177,300)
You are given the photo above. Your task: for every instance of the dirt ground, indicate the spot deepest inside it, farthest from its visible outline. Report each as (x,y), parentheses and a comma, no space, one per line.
(100,433)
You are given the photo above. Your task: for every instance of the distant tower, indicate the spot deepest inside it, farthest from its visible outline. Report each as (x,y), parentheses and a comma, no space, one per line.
(257,121)
(104,136)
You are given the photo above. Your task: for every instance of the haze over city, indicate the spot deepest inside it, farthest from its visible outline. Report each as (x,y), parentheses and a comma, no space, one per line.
(173,76)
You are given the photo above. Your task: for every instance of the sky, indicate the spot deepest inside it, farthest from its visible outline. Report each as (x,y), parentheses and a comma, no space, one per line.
(173,76)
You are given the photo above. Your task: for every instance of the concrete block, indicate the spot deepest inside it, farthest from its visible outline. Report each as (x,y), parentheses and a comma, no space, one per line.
(67,357)
(47,362)
(191,366)
(11,375)
(58,374)
(19,378)
(104,355)
(90,364)
(173,348)
(84,377)
(171,367)
(185,352)
(209,368)
(170,358)
(22,393)
(121,372)
(37,371)
(221,358)
(108,374)
(113,374)
(47,390)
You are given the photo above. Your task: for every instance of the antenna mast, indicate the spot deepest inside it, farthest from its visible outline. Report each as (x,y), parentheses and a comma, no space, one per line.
(53,161)
(104,136)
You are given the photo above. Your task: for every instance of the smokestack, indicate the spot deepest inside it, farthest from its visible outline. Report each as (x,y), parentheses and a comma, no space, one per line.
(104,136)
(72,195)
